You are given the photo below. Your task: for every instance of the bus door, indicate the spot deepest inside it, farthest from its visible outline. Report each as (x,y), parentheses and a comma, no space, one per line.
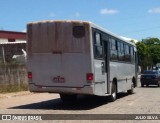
(101,59)
(106,60)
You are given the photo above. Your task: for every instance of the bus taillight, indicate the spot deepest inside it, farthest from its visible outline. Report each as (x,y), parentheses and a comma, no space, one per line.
(89,76)
(29,75)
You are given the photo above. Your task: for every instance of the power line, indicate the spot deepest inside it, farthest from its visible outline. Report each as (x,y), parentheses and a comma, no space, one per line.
(141,30)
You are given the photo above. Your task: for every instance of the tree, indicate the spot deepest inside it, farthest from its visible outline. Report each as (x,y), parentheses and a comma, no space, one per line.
(154,51)
(142,51)
(151,41)
(133,41)
(148,52)
(153,45)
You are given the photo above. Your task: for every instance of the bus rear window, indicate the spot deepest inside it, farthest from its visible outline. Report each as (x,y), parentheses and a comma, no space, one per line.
(78,31)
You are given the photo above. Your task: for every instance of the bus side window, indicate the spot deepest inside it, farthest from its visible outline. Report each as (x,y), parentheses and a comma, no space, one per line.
(132,54)
(98,41)
(120,53)
(127,53)
(98,46)
(113,48)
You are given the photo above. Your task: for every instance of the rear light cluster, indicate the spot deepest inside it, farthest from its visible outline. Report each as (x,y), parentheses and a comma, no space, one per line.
(89,76)
(29,75)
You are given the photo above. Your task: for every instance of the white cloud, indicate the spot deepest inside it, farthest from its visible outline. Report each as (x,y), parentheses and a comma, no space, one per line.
(77,14)
(154,10)
(108,11)
(52,15)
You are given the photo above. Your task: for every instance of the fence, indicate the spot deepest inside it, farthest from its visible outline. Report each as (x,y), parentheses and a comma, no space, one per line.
(13,78)
(13,73)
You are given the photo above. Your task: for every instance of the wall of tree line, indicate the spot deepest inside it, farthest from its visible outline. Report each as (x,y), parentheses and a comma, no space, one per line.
(148,53)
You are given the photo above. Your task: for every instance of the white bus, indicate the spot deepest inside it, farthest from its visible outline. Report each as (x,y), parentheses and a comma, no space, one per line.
(79,57)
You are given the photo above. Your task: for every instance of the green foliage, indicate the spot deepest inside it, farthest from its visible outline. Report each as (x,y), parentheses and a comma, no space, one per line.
(12,62)
(133,41)
(151,41)
(154,51)
(13,88)
(142,49)
(148,51)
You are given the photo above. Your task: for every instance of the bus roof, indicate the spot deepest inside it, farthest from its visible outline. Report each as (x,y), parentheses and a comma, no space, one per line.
(87,22)
(110,33)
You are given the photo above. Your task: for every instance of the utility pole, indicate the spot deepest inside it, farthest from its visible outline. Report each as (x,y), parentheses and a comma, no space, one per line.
(4,59)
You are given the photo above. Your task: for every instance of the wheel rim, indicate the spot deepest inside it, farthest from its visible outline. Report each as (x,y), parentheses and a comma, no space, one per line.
(132,87)
(114,91)
(114,94)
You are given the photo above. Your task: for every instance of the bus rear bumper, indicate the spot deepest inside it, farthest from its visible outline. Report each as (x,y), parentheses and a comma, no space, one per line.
(86,89)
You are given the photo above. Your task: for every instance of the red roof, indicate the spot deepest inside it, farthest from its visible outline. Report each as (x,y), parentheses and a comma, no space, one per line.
(12,35)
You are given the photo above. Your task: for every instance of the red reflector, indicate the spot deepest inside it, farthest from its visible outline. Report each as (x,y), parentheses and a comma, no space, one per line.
(89,76)
(29,75)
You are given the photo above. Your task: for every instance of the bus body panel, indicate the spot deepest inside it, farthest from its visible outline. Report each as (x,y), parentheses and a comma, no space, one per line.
(58,56)
(99,75)
(86,90)
(100,78)
(59,61)
(46,68)
(123,75)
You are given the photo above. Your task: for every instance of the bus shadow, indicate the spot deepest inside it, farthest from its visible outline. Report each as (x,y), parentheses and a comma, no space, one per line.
(82,103)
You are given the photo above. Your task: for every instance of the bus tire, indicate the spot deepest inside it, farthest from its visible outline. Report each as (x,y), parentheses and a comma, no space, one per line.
(68,97)
(113,95)
(131,91)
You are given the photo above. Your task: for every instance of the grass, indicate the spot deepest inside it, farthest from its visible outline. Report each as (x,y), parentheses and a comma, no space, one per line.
(13,88)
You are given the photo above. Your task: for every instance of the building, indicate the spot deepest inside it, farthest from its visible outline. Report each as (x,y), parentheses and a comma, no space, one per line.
(10,36)
(12,45)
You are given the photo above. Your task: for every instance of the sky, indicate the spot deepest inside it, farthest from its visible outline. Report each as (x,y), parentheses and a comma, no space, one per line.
(136,19)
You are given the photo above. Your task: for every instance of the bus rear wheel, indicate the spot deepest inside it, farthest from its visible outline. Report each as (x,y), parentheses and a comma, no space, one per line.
(131,91)
(68,97)
(113,95)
